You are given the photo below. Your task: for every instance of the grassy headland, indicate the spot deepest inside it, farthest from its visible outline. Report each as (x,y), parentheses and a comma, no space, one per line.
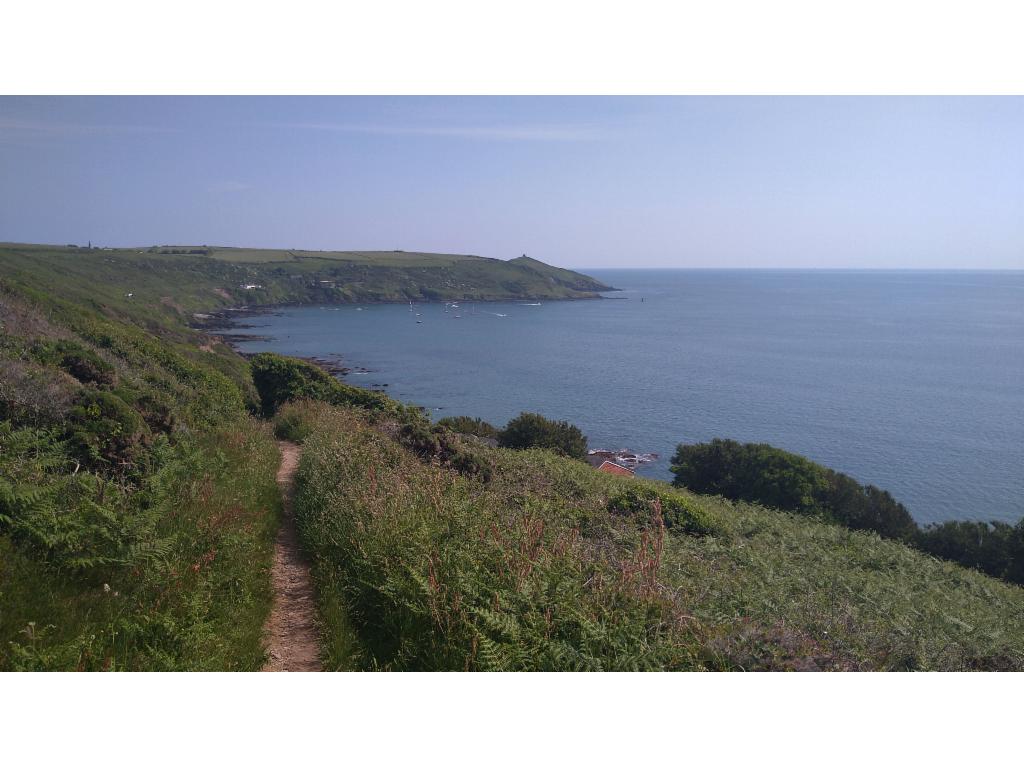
(200,278)
(138,505)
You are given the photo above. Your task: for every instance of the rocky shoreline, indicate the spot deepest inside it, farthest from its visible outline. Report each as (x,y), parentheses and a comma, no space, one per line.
(215,324)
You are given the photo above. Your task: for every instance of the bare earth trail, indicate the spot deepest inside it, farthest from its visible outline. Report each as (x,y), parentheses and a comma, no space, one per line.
(291,632)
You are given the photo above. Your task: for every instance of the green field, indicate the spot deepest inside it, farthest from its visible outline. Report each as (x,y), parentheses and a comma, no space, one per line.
(384,258)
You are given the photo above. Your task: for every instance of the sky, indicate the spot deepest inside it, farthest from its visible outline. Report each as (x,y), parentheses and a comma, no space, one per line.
(578,182)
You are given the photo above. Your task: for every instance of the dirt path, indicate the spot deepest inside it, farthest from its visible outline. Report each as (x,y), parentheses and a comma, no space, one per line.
(291,629)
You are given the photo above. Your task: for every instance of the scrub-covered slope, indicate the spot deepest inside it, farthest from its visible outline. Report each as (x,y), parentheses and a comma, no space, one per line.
(137,496)
(433,551)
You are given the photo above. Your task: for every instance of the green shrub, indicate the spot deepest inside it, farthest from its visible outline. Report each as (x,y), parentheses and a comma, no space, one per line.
(294,421)
(79,361)
(531,430)
(279,379)
(867,508)
(677,512)
(472,463)
(156,408)
(420,439)
(783,480)
(34,395)
(751,472)
(994,548)
(106,431)
(429,442)
(467,425)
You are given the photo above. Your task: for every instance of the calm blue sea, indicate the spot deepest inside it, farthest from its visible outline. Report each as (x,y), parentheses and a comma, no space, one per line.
(911,381)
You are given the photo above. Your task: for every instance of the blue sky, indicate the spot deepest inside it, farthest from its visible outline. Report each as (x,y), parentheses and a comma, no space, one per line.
(580,182)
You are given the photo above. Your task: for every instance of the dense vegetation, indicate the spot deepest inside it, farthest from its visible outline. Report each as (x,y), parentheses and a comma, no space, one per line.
(531,430)
(761,473)
(138,507)
(995,548)
(766,475)
(280,379)
(137,494)
(544,563)
(527,430)
(137,501)
(467,425)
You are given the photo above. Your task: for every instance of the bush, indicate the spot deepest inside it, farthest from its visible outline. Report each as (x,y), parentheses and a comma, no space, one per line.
(751,472)
(993,548)
(420,439)
(467,425)
(775,478)
(867,508)
(531,430)
(293,421)
(105,430)
(155,407)
(279,379)
(439,442)
(31,394)
(79,361)
(677,512)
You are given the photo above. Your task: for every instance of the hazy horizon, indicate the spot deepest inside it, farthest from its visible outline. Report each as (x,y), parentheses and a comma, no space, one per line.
(932,183)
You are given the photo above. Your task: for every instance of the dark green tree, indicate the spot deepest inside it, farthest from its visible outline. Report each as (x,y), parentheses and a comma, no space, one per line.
(279,379)
(761,473)
(531,430)
(467,425)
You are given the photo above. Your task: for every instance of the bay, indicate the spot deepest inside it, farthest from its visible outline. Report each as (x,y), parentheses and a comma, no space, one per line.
(911,381)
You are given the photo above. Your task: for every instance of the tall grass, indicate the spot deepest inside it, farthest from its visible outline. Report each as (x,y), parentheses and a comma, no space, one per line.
(137,497)
(543,563)
(171,574)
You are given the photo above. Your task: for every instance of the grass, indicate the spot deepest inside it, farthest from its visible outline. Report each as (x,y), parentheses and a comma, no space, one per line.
(542,566)
(390,258)
(137,494)
(171,573)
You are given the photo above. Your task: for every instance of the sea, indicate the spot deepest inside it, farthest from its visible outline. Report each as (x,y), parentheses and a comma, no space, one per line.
(911,381)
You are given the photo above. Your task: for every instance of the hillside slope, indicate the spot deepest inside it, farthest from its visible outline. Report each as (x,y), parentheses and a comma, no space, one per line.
(138,510)
(198,278)
(137,497)
(478,558)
